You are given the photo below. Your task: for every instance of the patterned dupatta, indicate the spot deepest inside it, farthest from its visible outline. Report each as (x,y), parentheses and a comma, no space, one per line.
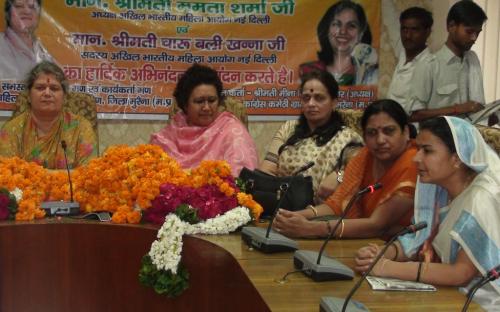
(471,221)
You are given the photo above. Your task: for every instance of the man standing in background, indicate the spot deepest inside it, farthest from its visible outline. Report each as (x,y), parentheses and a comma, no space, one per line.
(415,28)
(452,83)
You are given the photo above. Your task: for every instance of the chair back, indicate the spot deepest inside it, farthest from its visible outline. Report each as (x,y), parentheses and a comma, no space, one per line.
(492,136)
(352,119)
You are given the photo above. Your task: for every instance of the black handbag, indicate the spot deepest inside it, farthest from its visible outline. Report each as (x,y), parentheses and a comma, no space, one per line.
(267,190)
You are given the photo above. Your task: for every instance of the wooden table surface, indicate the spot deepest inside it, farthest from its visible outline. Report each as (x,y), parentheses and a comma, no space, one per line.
(300,293)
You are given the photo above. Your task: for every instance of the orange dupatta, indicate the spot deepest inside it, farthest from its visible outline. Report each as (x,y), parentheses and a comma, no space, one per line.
(400,179)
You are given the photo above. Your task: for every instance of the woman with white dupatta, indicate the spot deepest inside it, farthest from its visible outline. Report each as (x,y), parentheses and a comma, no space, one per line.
(458,195)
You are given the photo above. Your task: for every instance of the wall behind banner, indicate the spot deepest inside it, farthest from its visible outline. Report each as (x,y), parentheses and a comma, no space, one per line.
(134,132)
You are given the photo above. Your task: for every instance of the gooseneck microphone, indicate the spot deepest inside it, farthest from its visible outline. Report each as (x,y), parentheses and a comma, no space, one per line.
(492,275)
(61,207)
(369,189)
(266,240)
(310,262)
(333,304)
(64,146)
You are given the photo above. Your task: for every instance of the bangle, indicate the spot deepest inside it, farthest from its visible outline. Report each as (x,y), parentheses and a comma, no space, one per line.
(419,271)
(314,210)
(397,252)
(328,227)
(341,229)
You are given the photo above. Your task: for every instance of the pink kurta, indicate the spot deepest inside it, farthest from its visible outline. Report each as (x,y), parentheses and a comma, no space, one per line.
(224,139)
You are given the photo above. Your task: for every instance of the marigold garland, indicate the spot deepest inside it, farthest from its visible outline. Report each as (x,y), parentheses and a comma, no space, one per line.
(123,181)
(31,179)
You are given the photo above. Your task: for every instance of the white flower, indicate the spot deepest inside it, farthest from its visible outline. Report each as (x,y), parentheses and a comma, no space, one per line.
(165,252)
(224,224)
(18,194)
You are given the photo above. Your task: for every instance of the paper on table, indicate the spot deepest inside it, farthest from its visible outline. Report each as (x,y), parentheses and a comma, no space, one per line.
(379,283)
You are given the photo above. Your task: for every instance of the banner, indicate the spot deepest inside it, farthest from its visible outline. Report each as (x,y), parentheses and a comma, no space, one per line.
(129,54)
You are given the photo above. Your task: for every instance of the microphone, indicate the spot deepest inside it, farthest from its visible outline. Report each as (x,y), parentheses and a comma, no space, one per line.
(60,207)
(266,240)
(492,275)
(330,304)
(311,263)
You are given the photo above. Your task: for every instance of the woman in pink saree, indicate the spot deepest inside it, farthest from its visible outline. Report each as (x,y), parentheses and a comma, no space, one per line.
(199,131)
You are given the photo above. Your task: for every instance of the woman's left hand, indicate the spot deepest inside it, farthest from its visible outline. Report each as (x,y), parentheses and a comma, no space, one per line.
(294,224)
(364,257)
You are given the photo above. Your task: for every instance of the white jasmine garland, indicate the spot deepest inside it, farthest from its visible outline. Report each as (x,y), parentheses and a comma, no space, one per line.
(224,224)
(165,252)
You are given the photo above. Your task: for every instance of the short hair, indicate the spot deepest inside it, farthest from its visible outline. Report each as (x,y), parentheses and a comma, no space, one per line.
(466,12)
(326,53)
(390,107)
(8,7)
(194,76)
(325,78)
(439,127)
(48,68)
(421,14)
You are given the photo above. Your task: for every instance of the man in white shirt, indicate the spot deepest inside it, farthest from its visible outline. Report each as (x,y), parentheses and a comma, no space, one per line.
(415,28)
(451,83)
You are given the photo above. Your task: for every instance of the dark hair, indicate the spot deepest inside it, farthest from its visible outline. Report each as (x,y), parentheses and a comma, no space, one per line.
(325,78)
(466,12)
(8,7)
(421,14)
(326,132)
(326,53)
(194,76)
(46,67)
(440,128)
(390,107)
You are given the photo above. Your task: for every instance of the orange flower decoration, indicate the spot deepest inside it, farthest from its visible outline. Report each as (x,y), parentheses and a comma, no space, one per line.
(123,181)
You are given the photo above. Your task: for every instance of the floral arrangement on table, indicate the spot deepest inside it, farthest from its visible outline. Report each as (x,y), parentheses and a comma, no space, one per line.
(125,181)
(161,268)
(142,183)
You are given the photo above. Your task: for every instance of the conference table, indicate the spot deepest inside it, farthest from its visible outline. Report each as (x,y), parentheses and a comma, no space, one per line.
(63,264)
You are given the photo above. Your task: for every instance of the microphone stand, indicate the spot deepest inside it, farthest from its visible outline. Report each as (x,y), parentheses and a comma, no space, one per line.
(269,241)
(330,269)
(330,304)
(61,207)
(492,275)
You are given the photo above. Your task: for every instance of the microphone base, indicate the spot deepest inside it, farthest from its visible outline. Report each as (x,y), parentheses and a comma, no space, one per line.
(61,208)
(333,304)
(255,237)
(328,269)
